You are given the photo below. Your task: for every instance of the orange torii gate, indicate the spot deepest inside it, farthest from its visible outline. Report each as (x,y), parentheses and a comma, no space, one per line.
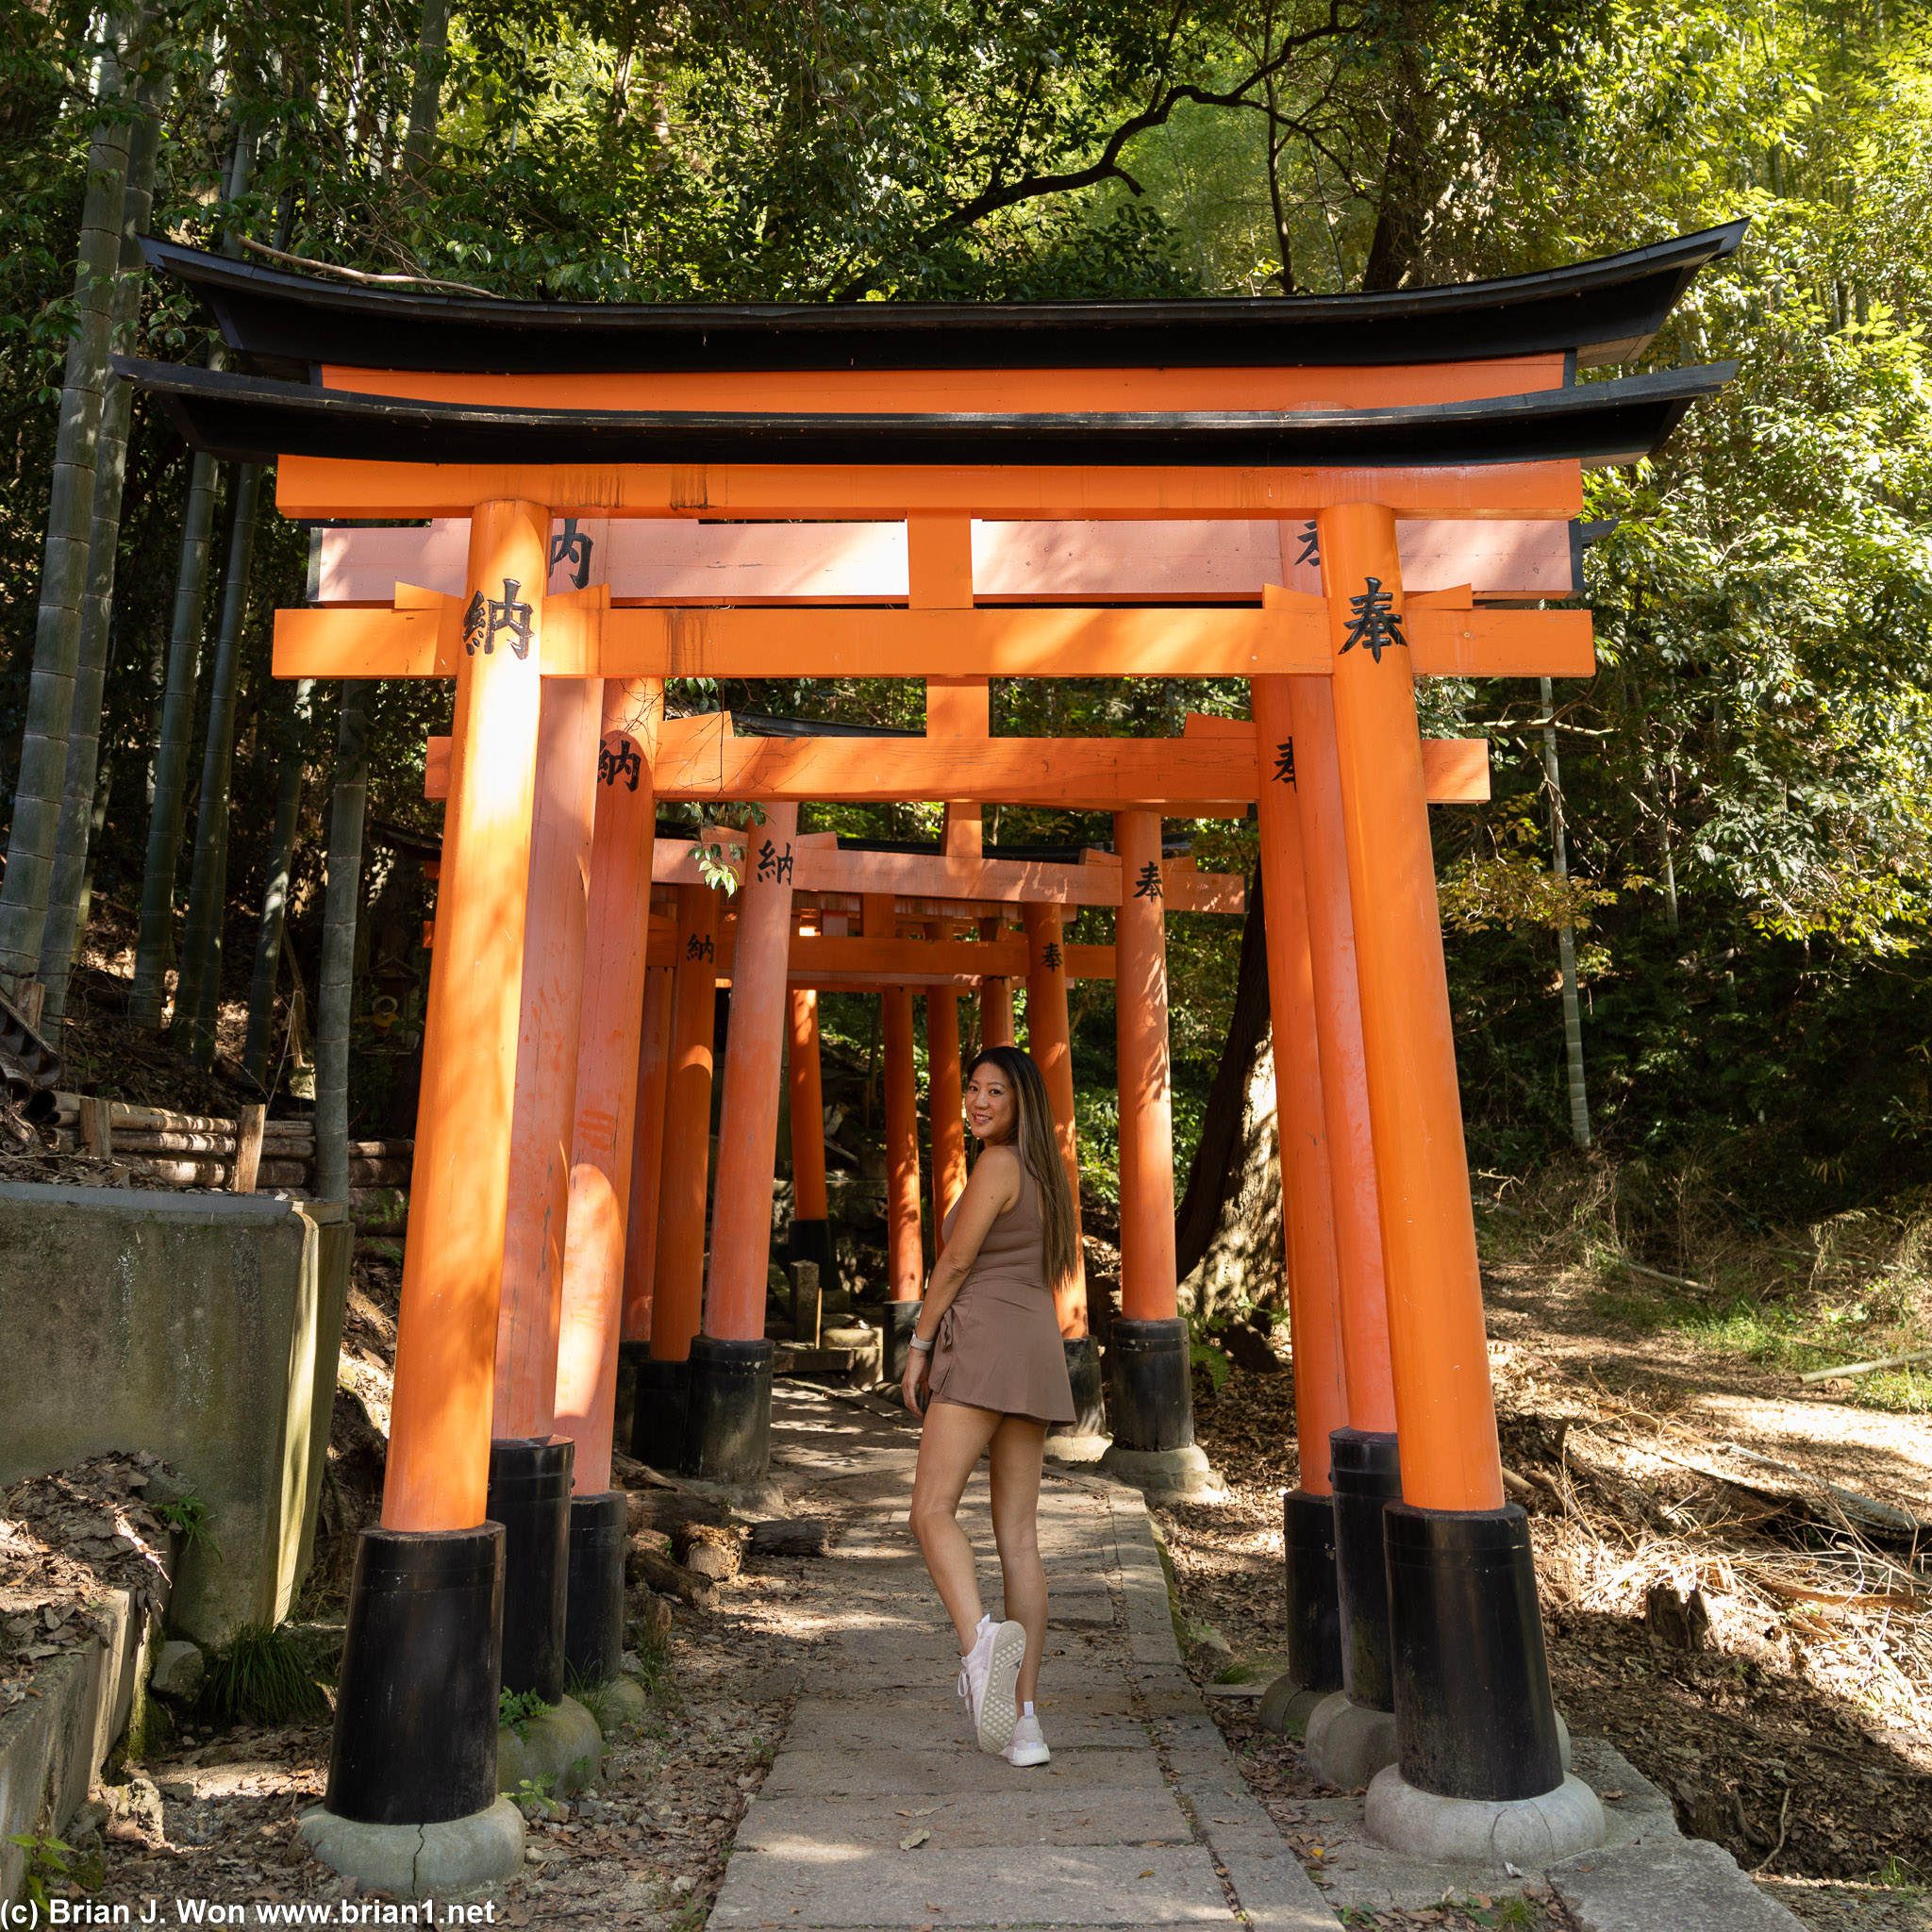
(1348,414)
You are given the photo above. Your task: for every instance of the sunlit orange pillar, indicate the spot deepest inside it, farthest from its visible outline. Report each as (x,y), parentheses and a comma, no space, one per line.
(1153,1394)
(435,1544)
(615,948)
(728,1435)
(995,997)
(905,1275)
(529,1467)
(648,1157)
(1473,1712)
(1314,1301)
(553,977)
(678,1285)
(812,1227)
(1049,1042)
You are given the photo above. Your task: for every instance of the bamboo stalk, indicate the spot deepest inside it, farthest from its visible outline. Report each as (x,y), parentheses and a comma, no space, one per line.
(274,898)
(1884,1361)
(43,772)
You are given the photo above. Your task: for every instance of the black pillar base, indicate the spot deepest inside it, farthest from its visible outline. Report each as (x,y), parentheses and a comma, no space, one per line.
(1090,1390)
(529,1495)
(624,1415)
(811,1241)
(415,1732)
(593,1629)
(1315,1611)
(1153,1384)
(728,1426)
(657,1412)
(1474,1713)
(899,1320)
(1366,1473)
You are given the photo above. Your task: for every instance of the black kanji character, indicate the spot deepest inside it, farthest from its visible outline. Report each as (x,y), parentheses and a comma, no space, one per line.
(1147,882)
(1311,545)
(619,760)
(506,613)
(1284,762)
(1051,954)
(1374,623)
(774,865)
(573,546)
(474,624)
(698,946)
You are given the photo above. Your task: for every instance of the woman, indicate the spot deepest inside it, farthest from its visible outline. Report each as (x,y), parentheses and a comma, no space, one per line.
(988,1371)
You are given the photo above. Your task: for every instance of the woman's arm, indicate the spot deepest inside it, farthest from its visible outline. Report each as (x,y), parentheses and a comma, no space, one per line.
(993,1189)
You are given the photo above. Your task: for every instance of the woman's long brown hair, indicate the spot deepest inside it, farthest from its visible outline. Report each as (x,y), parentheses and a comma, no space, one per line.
(1039,1155)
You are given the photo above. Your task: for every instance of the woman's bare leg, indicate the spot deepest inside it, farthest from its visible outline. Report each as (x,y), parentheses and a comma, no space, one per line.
(1017,1451)
(950,1447)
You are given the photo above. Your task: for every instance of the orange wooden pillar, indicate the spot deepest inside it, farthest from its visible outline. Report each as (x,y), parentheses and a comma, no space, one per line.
(944,1105)
(727,1434)
(1152,1371)
(1050,1045)
(556,907)
(616,945)
(426,1603)
(811,1227)
(1316,1657)
(1474,1717)
(995,997)
(647,1158)
(531,1468)
(905,1250)
(678,1284)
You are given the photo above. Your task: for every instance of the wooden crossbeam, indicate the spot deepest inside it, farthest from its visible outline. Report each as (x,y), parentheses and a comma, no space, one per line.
(646,561)
(858,964)
(584,638)
(328,487)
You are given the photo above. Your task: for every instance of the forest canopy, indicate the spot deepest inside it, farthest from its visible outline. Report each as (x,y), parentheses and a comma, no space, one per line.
(1743,786)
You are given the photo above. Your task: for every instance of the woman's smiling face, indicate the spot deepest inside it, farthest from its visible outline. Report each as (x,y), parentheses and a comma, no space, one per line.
(992,1108)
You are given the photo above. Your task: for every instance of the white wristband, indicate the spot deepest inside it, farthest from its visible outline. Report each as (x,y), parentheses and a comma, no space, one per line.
(913,1341)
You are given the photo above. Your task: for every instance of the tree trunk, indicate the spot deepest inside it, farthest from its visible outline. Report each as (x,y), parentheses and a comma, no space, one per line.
(66,907)
(281,857)
(336,997)
(425,99)
(167,818)
(1566,935)
(64,565)
(201,951)
(1215,1175)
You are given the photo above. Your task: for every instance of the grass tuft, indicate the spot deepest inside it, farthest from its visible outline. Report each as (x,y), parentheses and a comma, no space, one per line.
(262,1676)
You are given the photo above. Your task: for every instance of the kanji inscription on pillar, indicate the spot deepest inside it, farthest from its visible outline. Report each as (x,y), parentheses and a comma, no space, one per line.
(573,547)
(1374,621)
(1147,881)
(699,946)
(1284,762)
(774,866)
(1311,545)
(617,759)
(1050,956)
(485,619)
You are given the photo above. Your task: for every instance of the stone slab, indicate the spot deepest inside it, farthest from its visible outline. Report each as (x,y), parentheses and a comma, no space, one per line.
(1689,1887)
(881,1722)
(1061,1886)
(1277,1894)
(924,1774)
(806,1826)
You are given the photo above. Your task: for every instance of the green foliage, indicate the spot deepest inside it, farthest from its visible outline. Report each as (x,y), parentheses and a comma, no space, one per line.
(515,1708)
(262,1676)
(46,1859)
(189,1518)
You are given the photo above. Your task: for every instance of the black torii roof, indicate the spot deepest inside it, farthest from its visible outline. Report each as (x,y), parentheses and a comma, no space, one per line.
(1600,312)
(256,419)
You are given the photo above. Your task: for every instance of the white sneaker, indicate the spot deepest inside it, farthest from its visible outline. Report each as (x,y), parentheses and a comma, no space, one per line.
(998,1711)
(973,1669)
(1027,1746)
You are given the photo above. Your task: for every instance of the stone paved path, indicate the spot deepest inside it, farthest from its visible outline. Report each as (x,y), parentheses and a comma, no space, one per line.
(1142,1818)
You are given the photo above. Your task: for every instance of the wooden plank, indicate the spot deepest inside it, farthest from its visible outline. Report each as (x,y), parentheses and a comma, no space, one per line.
(327,487)
(247,1149)
(1502,643)
(1455,771)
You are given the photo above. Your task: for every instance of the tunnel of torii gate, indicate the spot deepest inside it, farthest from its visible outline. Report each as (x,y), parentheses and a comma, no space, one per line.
(1326,496)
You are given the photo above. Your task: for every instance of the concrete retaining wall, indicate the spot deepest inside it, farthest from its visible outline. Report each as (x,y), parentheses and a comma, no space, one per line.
(202,1326)
(51,1745)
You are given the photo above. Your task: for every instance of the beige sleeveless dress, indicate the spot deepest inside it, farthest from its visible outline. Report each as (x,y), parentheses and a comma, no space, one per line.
(999,1343)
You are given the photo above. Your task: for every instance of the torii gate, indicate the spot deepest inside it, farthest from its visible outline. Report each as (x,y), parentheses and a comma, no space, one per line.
(1454,404)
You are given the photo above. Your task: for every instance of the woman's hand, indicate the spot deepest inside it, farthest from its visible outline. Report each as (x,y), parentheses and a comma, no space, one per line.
(918,1368)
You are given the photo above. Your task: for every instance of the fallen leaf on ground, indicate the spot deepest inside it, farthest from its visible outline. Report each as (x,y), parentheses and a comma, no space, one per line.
(912,1840)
